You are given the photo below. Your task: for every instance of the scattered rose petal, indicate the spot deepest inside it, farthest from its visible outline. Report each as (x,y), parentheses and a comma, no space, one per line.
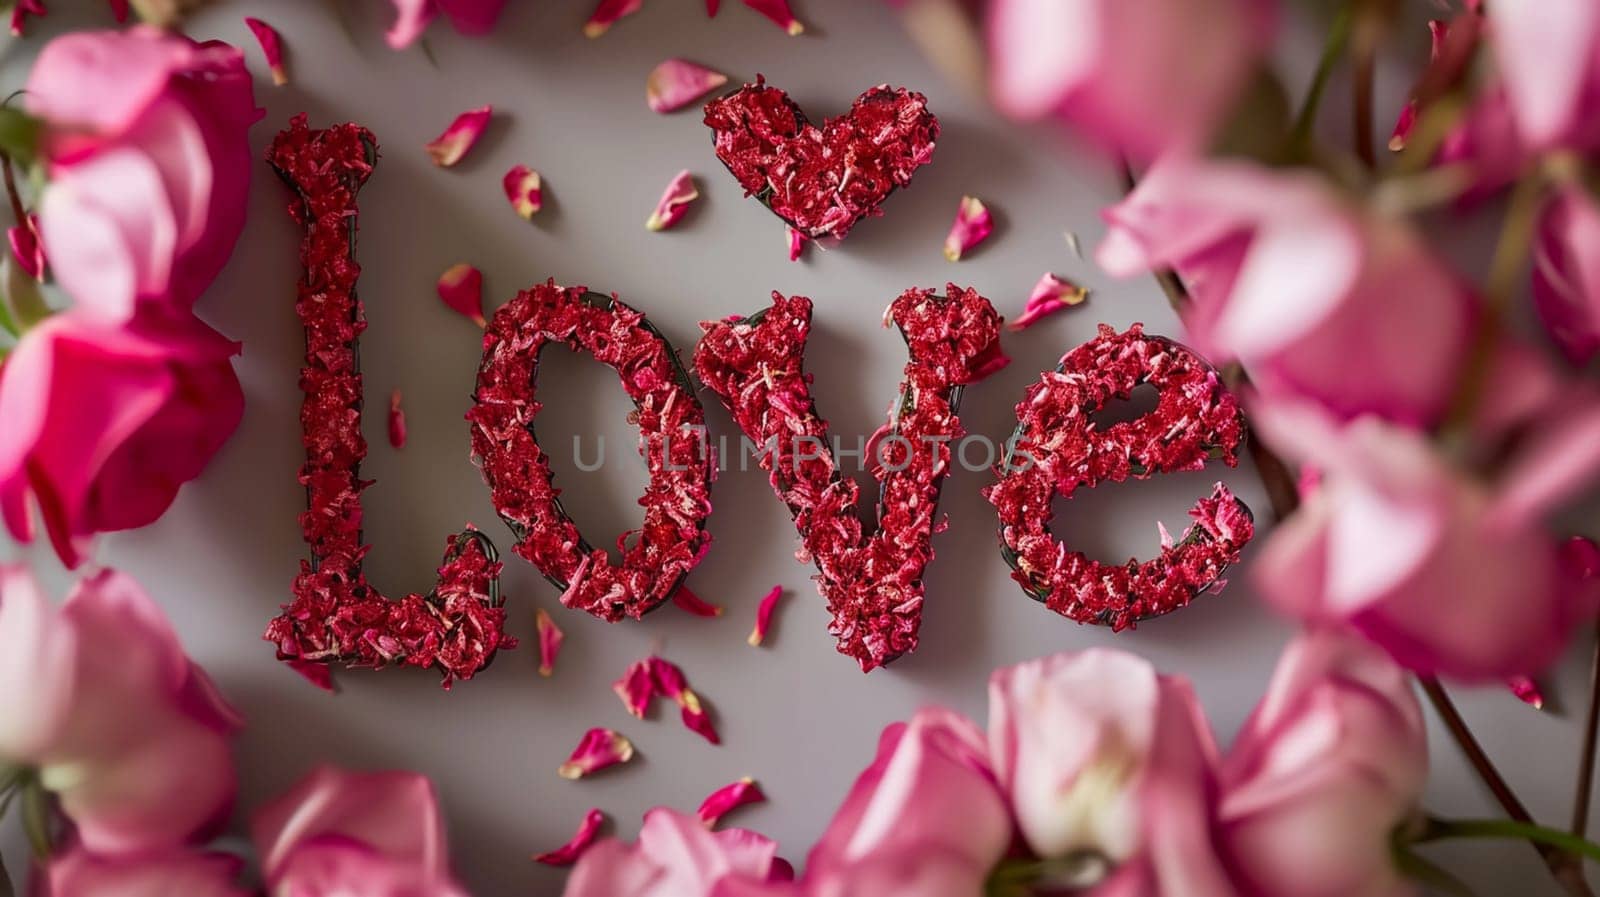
(797,243)
(779,12)
(676,83)
(272,46)
(26,248)
(670,681)
(397,421)
(729,798)
(1074,244)
(525,190)
(764,613)
(461,288)
(972,226)
(599,749)
(550,638)
(453,145)
(674,202)
(636,688)
(318,674)
(687,600)
(568,853)
(1528,691)
(20,13)
(711,8)
(1051,294)
(607,13)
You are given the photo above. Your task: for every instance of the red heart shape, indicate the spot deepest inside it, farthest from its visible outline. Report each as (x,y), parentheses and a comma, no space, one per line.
(822,181)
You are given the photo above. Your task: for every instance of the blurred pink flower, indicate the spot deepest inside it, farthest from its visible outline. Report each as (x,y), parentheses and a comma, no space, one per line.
(1300,286)
(103,424)
(1333,759)
(345,834)
(926,819)
(1104,760)
(78,873)
(1142,77)
(129,734)
(147,151)
(1566,272)
(1548,57)
(677,856)
(472,17)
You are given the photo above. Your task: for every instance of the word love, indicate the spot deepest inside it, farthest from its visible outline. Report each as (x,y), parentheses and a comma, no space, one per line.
(872,579)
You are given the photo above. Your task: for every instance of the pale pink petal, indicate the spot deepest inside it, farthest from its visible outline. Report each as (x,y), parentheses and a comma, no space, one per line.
(676,83)
(598,749)
(582,840)
(453,145)
(684,598)
(778,11)
(674,202)
(670,681)
(36,665)
(607,13)
(524,190)
(164,873)
(412,19)
(729,798)
(972,226)
(1051,294)
(764,613)
(1545,52)
(550,638)
(397,421)
(271,47)
(461,288)
(636,688)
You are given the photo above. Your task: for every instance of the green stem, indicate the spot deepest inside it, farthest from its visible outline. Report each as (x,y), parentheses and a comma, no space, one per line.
(36,818)
(1509,829)
(1583,790)
(1338,38)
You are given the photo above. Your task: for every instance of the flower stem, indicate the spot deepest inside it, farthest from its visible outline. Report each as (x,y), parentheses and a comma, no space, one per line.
(1338,38)
(1364,55)
(1583,791)
(1446,829)
(36,818)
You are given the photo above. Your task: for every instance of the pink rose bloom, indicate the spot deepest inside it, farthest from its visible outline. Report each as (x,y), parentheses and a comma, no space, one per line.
(1566,272)
(344,834)
(147,150)
(473,17)
(1332,761)
(78,873)
(926,819)
(103,424)
(1451,575)
(1109,768)
(677,856)
(1300,286)
(1548,56)
(111,715)
(1142,77)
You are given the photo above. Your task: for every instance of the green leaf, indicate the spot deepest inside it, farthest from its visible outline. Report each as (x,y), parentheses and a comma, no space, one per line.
(22,294)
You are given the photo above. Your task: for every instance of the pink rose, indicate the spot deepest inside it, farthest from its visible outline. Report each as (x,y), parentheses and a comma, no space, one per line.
(1299,285)
(103,424)
(1110,770)
(1143,77)
(926,819)
(355,835)
(78,873)
(1333,759)
(1566,272)
(147,150)
(473,17)
(677,856)
(111,715)
(1548,56)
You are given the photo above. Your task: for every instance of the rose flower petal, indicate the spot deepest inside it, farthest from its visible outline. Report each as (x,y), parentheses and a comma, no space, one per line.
(670,681)
(26,247)
(764,615)
(1051,294)
(570,852)
(525,191)
(452,146)
(972,226)
(674,202)
(271,47)
(461,288)
(636,688)
(1527,691)
(797,243)
(599,749)
(607,13)
(550,638)
(676,83)
(729,798)
(686,599)
(779,12)
(397,421)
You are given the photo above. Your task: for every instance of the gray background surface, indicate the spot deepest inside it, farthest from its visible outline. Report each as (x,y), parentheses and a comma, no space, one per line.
(794,714)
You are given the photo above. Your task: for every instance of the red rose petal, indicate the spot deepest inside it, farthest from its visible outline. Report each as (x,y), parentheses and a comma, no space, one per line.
(1050,295)
(778,11)
(550,639)
(676,83)
(636,687)
(582,840)
(397,421)
(687,600)
(26,248)
(670,681)
(972,226)
(764,616)
(797,242)
(598,749)
(607,13)
(729,798)
(674,202)
(271,47)
(1527,691)
(317,674)
(457,140)
(524,190)
(461,289)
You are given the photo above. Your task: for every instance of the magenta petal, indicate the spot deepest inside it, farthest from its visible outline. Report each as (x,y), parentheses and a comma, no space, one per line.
(685,599)
(550,639)
(607,13)
(272,47)
(797,243)
(729,798)
(598,749)
(582,839)
(397,421)
(453,145)
(1050,295)
(524,190)
(26,248)
(972,226)
(764,616)
(674,202)
(461,288)
(636,688)
(1527,691)
(778,11)
(670,681)
(676,83)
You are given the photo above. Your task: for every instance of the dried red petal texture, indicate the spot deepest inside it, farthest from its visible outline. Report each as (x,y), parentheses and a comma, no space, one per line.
(1058,448)
(822,181)
(672,538)
(728,798)
(271,47)
(872,581)
(336,615)
(636,687)
(550,639)
(1527,691)
(764,617)
(598,749)
(460,288)
(670,681)
(685,599)
(397,421)
(570,852)
(460,137)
